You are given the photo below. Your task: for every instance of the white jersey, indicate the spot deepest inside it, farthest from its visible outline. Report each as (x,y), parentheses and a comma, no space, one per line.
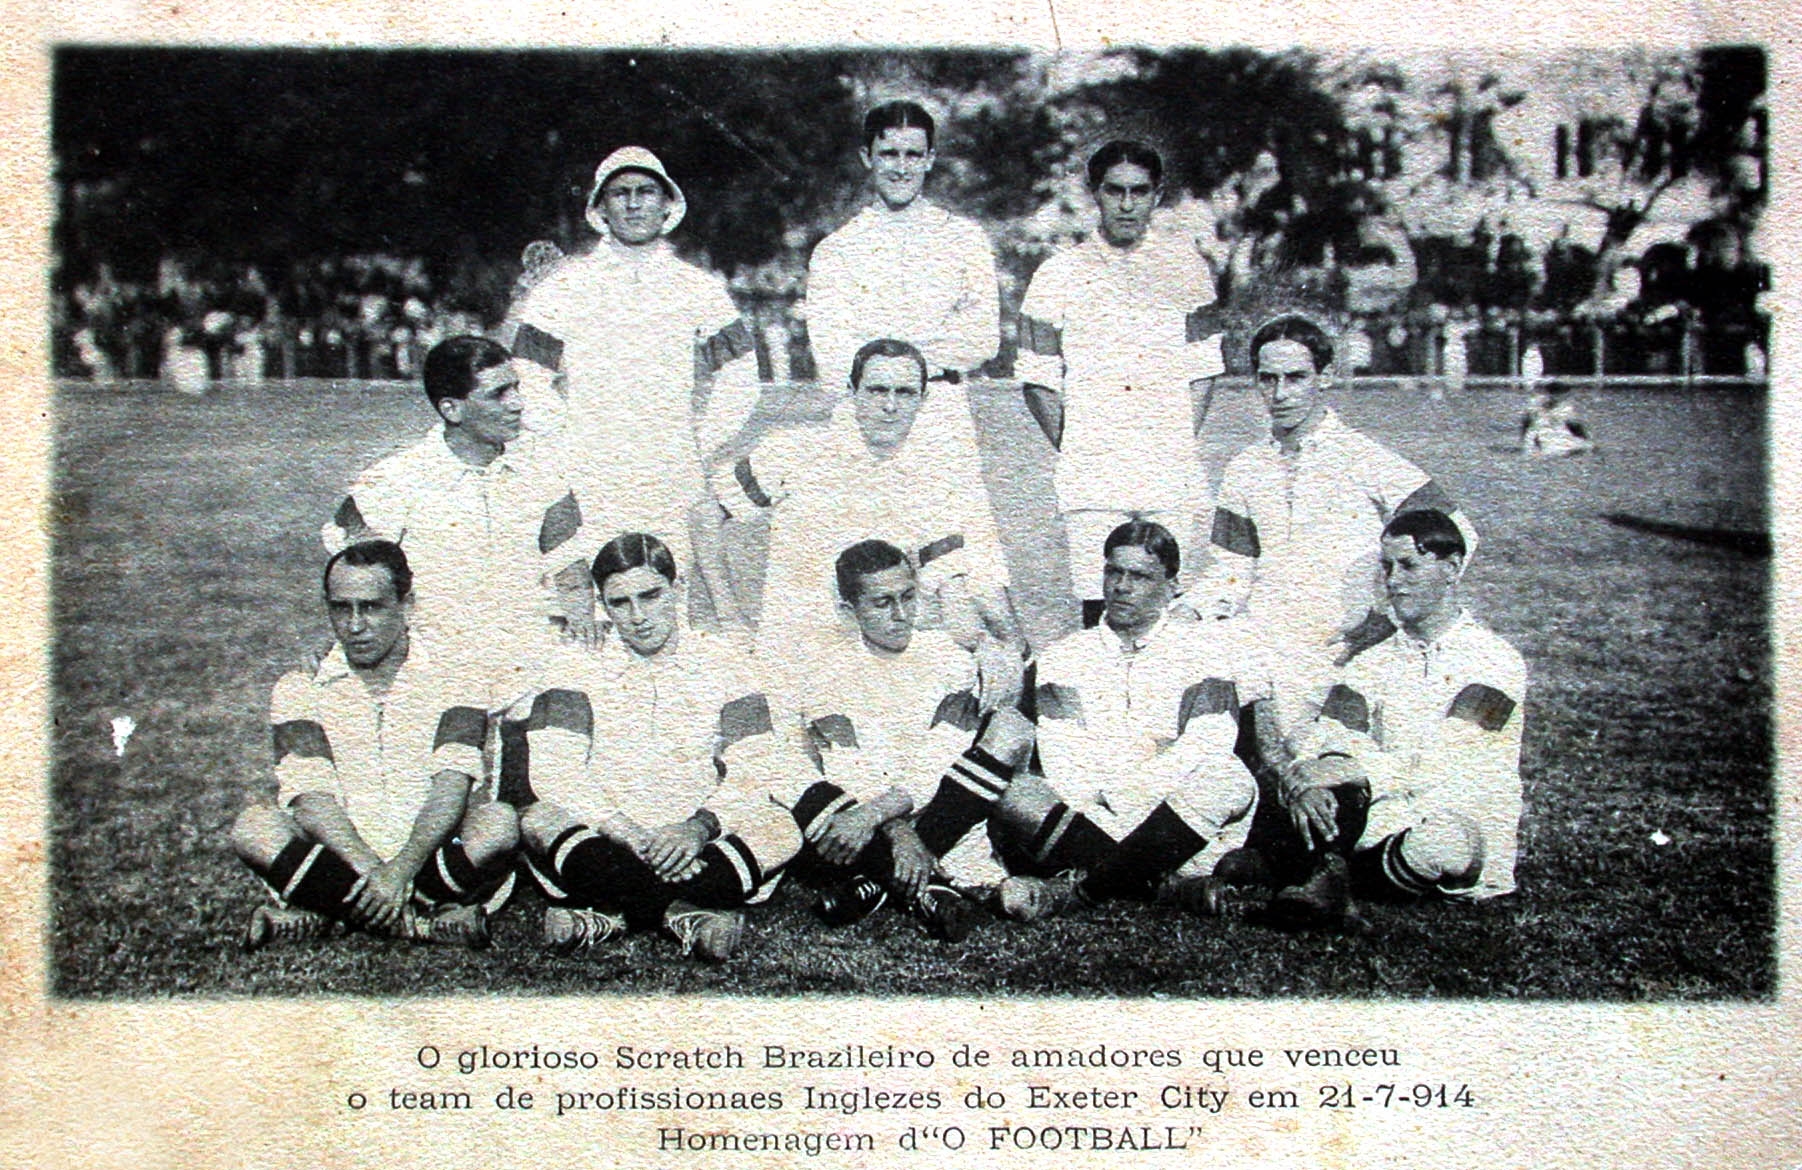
(1120,333)
(1121,728)
(879,721)
(1436,727)
(655,738)
(920,275)
(375,754)
(1297,544)
(827,491)
(485,545)
(657,372)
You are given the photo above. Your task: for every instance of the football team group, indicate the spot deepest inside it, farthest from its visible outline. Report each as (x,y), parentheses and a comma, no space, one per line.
(549,668)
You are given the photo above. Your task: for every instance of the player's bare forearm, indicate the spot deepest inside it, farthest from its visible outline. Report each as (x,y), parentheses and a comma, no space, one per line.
(445,803)
(1273,743)
(325,821)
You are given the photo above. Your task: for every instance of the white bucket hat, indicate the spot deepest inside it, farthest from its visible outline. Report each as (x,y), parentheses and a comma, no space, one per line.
(634,158)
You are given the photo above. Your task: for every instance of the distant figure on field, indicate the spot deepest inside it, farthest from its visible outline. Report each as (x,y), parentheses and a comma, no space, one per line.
(1552,424)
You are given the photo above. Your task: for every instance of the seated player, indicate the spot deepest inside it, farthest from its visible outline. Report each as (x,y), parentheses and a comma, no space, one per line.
(488,520)
(1137,720)
(1408,783)
(893,720)
(650,760)
(1551,425)
(376,822)
(867,474)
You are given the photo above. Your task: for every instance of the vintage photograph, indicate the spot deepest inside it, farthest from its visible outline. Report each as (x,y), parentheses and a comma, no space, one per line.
(1194,523)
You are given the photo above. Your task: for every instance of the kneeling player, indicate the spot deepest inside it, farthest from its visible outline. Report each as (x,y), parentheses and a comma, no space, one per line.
(893,721)
(376,753)
(650,757)
(1408,784)
(1137,719)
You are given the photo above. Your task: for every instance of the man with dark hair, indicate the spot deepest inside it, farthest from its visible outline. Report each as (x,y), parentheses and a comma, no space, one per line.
(871,474)
(488,520)
(906,268)
(1114,342)
(1407,785)
(650,760)
(1137,720)
(1296,522)
(655,359)
(379,820)
(894,723)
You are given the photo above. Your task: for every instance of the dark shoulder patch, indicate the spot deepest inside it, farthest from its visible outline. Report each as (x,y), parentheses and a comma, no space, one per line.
(1210,696)
(563,709)
(961,710)
(1235,533)
(538,347)
(561,521)
(1482,705)
(744,717)
(832,731)
(466,726)
(1055,701)
(301,737)
(1428,497)
(1346,706)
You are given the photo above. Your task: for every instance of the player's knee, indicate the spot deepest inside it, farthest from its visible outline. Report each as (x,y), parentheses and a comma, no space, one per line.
(541,824)
(490,831)
(261,832)
(1024,806)
(769,832)
(1446,849)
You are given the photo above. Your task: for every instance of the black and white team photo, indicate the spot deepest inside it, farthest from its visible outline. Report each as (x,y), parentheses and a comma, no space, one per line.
(1180,522)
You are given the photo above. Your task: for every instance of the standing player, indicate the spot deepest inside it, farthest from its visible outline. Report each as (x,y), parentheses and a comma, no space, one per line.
(650,760)
(1297,519)
(1408,783)
(870,474)
(489,524)
(655,360)
(1113,341)
(907,269)
(894,721)
(376,752)
(1137,720)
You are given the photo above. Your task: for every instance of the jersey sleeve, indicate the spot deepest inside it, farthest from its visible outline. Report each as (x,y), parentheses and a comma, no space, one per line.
(1233,547)
(726,361)
(758,480)
(374,507)
(970,332)
(1042,314)
(303,751)
(831,334)
(1398,486)
(559,745)
(1069,752)
(457,741)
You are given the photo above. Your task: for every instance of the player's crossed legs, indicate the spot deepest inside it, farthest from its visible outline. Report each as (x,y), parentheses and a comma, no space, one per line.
(317,892)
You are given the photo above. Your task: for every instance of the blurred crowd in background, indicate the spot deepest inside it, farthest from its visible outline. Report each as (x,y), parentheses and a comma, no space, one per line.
(1459,218)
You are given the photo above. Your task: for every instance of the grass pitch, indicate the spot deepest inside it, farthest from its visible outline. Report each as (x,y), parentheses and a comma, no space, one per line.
(185,581)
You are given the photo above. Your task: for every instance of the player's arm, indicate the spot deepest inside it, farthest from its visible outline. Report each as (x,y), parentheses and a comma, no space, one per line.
(971,330)
(456,766)
(1476,756)
(1040,362)
(538,358)
(1234,547)
(831,334)
(306,774)
(1204,356)
(568,587)
(372,508)
(844,836)
(727,387)
(385,890)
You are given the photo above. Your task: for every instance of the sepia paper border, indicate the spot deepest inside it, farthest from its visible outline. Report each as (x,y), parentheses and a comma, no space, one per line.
(249,1083)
